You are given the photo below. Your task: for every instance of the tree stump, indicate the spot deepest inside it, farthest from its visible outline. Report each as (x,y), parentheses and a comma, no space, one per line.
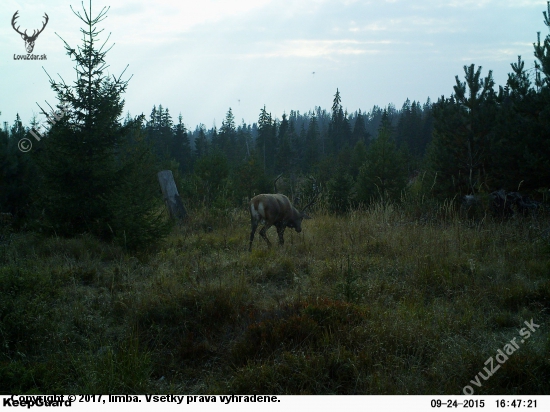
(171,196)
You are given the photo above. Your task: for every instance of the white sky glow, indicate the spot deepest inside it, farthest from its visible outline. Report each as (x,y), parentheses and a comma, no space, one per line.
(200,58)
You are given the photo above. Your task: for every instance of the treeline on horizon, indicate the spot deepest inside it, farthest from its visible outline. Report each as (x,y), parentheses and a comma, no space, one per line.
(481,138)
(229,165)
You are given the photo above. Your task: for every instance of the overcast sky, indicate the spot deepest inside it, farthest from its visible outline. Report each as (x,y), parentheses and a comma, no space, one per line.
(201,57)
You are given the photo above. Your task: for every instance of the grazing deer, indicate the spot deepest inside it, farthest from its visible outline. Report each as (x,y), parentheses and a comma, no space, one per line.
(29,40)
(276,210)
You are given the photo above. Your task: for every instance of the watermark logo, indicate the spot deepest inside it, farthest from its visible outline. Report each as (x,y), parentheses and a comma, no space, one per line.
(501,357)
(25,144)
(29,40)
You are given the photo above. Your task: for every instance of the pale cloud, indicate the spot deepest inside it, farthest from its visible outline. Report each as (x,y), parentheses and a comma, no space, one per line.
(527,3)
(477,4)
(469,4)
(409,24)
(163,21)
(505,54)
(376,26)
(187,13)
(320,48)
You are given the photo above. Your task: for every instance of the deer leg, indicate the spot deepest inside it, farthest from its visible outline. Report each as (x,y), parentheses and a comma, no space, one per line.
(281,232)
(263,234)
(254,225)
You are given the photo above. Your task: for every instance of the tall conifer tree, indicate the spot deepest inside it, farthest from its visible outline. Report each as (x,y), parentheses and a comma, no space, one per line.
(93,182)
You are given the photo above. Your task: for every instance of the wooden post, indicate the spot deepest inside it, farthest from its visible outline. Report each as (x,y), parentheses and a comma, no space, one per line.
(171,196)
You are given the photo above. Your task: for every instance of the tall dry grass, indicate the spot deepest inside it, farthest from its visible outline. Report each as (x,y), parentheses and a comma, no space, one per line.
(388,299)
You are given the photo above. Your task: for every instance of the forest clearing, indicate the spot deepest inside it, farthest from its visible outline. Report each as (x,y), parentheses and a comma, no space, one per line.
(373,302)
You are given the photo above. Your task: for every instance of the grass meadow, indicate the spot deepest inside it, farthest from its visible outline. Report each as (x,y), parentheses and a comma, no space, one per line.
(384,300)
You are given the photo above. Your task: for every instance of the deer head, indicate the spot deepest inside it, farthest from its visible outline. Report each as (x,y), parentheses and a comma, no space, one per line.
(29,40)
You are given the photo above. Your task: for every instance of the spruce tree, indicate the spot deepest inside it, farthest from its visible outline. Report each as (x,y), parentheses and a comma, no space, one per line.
(92,180)
(358,157)
(284,148)
(339,188)
(339,130)
(359,133)
(301,148)
(266,141)
(383,175)
(542,53)
(461,152)
(213,171)
(340,185)
(311,150)
(249,180)
(227,137)
(244,142)
(160,133)
(181,148)
(17,172)
(201,142)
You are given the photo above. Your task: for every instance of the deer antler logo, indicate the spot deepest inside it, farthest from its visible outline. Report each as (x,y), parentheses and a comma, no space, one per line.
(29,40)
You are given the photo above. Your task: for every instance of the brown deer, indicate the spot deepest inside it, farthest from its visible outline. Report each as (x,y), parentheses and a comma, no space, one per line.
(276,210)
(29,40)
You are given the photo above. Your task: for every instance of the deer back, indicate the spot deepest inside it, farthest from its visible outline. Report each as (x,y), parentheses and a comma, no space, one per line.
(273,209)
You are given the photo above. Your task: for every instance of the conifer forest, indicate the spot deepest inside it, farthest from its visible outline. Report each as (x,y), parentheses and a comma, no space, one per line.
(427,251)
